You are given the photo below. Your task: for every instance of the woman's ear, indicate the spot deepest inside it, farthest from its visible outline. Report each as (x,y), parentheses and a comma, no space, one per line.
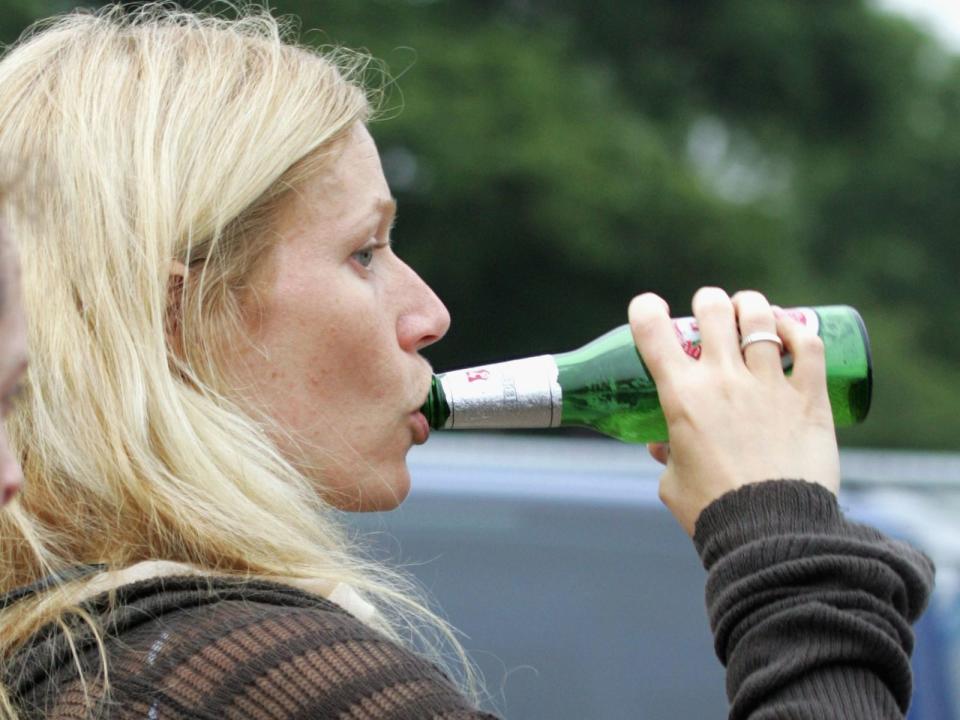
(176,284)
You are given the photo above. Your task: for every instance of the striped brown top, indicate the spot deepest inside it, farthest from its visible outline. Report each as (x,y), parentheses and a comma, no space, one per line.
(811,615)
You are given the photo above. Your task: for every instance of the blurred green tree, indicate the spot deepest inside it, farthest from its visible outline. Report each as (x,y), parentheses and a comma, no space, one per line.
(553,158)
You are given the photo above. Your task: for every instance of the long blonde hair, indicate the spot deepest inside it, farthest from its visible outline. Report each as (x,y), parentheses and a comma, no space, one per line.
(151,137)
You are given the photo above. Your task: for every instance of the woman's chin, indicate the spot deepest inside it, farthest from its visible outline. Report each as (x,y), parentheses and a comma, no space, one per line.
(379,490)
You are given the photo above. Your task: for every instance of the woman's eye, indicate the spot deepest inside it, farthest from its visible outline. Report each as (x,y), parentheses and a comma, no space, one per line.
(364,257)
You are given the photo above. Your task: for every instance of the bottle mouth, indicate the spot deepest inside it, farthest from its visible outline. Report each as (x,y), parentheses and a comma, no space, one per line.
(435,408)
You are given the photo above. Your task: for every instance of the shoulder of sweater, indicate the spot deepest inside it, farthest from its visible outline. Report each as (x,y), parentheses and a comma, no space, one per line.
(142,606)
(211,643)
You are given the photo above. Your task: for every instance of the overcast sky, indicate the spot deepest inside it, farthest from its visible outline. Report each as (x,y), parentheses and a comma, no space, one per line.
(942,17)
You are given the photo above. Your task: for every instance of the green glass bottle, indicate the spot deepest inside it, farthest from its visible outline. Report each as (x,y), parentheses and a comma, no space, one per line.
(604,385)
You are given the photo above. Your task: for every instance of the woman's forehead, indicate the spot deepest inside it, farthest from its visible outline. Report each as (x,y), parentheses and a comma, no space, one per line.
(351,191)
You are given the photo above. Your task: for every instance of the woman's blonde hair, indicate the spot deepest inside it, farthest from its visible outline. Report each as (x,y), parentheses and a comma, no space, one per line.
(153,137)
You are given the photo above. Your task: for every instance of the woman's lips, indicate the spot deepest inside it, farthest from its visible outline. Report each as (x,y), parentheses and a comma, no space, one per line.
(420,426)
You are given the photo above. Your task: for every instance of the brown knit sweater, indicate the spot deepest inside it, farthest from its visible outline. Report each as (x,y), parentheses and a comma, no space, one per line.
(811,615)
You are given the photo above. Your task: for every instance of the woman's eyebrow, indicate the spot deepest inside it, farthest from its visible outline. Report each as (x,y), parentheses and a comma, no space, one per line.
(387,208)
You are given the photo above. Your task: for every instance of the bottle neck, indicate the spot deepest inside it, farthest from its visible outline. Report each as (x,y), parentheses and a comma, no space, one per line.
(514,394)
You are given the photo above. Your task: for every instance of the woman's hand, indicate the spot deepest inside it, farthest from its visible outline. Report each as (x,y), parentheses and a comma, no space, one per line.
(733,416)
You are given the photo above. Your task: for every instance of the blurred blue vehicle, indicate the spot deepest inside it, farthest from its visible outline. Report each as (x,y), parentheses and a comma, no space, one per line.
(581,599)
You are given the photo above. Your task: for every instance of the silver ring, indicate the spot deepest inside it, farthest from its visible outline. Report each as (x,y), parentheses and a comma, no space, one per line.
(756,337)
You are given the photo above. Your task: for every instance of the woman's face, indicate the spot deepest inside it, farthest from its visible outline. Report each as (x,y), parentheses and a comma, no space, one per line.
(336,322)
(13,360)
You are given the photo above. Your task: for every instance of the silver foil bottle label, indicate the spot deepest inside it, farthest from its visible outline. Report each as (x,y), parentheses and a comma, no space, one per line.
(513,394)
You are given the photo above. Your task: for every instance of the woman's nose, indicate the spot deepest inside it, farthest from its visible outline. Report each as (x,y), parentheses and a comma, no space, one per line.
(425,319)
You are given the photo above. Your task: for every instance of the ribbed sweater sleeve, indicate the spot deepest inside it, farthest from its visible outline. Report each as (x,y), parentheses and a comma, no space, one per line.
(811,612)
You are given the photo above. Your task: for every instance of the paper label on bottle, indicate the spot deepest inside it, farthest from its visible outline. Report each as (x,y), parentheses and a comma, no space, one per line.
(514,394)
(805,316)
(688,332)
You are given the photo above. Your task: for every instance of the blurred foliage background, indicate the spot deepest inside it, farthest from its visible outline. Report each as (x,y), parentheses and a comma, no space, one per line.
(552,158)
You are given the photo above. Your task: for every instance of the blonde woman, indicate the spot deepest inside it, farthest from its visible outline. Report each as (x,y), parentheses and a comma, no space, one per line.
(226,349)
